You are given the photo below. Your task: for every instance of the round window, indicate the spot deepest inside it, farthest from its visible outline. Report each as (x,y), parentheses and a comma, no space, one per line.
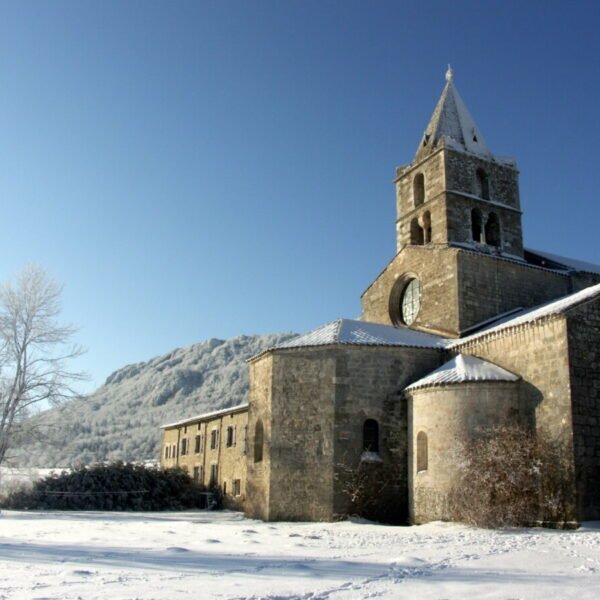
(411,301)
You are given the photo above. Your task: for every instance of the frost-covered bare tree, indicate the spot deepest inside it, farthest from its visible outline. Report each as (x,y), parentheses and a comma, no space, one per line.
(34,352)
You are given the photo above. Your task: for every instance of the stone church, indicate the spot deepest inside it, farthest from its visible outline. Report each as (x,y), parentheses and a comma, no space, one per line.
(465,328)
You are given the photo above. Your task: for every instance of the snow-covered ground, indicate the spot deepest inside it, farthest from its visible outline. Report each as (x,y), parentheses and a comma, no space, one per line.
(85,555)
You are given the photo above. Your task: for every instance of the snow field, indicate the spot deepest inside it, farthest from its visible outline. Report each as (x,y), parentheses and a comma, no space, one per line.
(156,556)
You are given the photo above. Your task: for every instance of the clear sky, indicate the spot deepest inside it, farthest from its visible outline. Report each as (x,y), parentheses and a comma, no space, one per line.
(205,169)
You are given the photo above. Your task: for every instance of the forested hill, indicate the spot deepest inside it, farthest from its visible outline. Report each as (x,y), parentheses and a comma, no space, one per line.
(122,419)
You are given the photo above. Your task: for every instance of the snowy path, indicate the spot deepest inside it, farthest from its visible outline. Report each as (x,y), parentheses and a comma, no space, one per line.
(156,556)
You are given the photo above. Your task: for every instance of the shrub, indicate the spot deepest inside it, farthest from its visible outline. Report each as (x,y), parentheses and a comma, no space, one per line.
(364,485)
(508,477)
(114,486)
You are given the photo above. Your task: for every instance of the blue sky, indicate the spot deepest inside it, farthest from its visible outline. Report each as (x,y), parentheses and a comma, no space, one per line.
(205,169)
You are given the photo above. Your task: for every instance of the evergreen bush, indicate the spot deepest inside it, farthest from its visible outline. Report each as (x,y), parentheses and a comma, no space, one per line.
(114,486)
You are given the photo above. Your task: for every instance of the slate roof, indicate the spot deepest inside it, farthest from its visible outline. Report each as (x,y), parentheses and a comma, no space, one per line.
(361,333)
(452,121)
(464,369)
(563,261)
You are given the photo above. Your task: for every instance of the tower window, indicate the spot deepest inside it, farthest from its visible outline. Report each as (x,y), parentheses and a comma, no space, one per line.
(259,435)
(477,225)
(371,436)
(483,184)
(419,189)
(427,227)
(416,233)
(492,230)
(422,457)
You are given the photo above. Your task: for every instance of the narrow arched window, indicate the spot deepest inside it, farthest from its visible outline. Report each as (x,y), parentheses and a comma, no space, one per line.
(416,233)
(422,458)
(427,227)
(258,441)
(371,436)
(483,184)
(492,230)
(476,225)
(419,189)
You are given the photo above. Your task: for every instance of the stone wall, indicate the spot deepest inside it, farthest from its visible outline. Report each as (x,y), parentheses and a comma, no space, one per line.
(316,401)
(301,437)
(436,269)
(539,353)
(368,382)
(260,410)
(432,169)
(459,223)
(461,175)
(459,288)
(583,325)
(450,416)
(489,286)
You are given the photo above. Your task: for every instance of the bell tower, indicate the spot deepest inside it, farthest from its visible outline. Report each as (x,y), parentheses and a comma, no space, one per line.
(456,192)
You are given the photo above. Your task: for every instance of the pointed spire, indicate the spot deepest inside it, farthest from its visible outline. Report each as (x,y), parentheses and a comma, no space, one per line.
(452,122)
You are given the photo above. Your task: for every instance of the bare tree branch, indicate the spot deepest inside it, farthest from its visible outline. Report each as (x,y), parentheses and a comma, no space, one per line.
(34,350)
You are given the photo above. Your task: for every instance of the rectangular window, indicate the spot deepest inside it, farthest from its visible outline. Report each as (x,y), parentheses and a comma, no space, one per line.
(245,439)
(230,437)
(174,451)
(214,474)
(198,426)
(185,429)
(198,446)
(214,439)
(224,488)
(236,487)
(184,446)
(166,451)
(196,473)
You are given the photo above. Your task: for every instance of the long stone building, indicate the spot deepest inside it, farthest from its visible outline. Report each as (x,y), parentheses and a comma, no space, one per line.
(464,329)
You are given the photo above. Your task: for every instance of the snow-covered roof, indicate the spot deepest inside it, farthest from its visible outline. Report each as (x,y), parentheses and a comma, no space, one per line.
(452,122)
(362,333)
(464,369)
(569,263)
(533,314)
(207,416)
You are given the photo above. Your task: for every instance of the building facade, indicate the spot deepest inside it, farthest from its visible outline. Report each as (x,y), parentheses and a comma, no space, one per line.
(213,449)
(464,329)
